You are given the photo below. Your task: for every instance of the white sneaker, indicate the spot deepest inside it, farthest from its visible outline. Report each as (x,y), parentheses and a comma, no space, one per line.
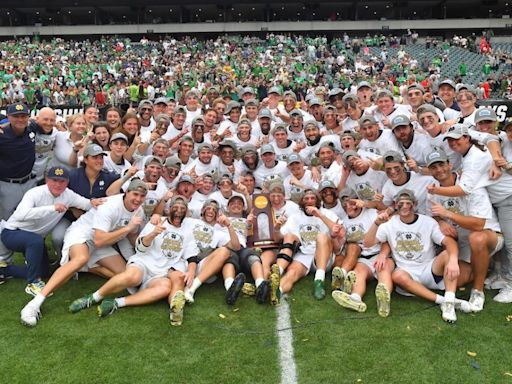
(30,315)
(463,306)
(448,311)
(189,296)
(477,300)
(504,296)
(495,281)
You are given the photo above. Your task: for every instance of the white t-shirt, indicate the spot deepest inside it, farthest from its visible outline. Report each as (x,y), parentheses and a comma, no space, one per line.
(416,183)
(262,173)
(385,142)
(357,227)
(367,184)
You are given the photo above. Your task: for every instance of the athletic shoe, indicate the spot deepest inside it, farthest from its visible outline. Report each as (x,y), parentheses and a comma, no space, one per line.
(275,281)
(263,292)
(2,272)
(176,310)
(337,278)
(236,287)
(476,300)
(81,303)
(504,296)
(249,289)
(346,301)
(448,311)
(35,287)
(349,282)
(30,315)
(495,281)
(383,300)
(189,296)
(318,289)
(107,307)
(463,306)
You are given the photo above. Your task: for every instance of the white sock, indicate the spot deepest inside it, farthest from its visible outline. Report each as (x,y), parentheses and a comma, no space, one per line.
(257,282)
(196,283)
(344,272)
(281,270)
(355,297)
(38,300)
(439,299)
(97,297)
(121,302)
(320,274)
(449,296)
(228,282)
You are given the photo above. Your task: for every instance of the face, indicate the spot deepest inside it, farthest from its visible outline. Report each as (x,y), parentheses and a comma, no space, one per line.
(415,98)
(56,186)
(330,117)
(210,214)
(251,111)
(459,145)
(113,118)
(131,126)
(289,103)
(249,182)
(210,118)
(185,189)
(466,100)
(326,157)
(145,111)
(328,196)
(179,120)
(447,94)
(191,101)
(350,207)
(101,134)
(133,200)
(198,131)
(309,200)
(250,159)
(236,207)
(296,122)
(385,105)
(94,163)
(220,108)
(207,185)
(316,110)
(244,131)
(227,155)
(234,115)
(296,169)
(348,143)
(46,119)
(429,121)
(370,132)
(487,126)
(405,208)
(403,133)
(178,211)
(277,197)
(225,186)
(78,126)
(118,147)
(395,171)
(205,156)
(159,108)
(161,127)
(186,148)
(353,111)
(312,132)
(364,94)
(441,171)
(269,159)
(170,107)
(91,115)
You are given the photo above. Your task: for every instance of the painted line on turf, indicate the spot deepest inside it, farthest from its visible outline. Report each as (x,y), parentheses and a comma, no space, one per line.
(285,340)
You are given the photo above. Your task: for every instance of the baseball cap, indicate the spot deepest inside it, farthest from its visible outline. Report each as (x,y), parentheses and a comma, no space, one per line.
(367,120)
(265,112)
(180,109)
(161,100)
(176,198)
(314,101)
(347,192)
(233,197)
(384,93)
(349,97)
(405,194)
(400,120)
(348,132)
(392,157)
(202,146)
(227,143)
(193,93)
(296,112)
(274,90)
(326,184)
(485,114)
(415,87)
(363,84)
(248,148)
(436,156)
(152,159)
(137,185)
(326,144)
(252,102)
(465,87)
(314,123)
(187,178)
(17,109)
(58,173)
(276,184)
(94,150)
(225,177)
(447,82)
(334,92)
(424,108)
(294,158)
(320,90)
(173,162)
(247,90)
(456,131)
(347,155)
(118,136)
(291,94)
(267,148)
(279,127)
(197,119)
(231,105)
(145,102)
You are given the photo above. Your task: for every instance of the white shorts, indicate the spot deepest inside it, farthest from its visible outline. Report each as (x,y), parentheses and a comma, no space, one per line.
(465,249)
(423,275)
(149,271)
(369,263)
(199,269)
(309,261)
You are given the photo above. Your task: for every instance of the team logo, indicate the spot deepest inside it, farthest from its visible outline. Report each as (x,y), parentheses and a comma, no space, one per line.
(203,235)
(59,172)
(355,233)
(365,191)
(122,223)
(149,206)
(240,226)
(308,233)
(172,245)
(409,245)
(373,150)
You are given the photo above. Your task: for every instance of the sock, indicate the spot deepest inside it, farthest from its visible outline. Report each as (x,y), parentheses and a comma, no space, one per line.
(97,297)
(39,300)
(281,270)
(196,283)
(257,282)
(449,296)
(121,302)
(228,282)
(344,272)
(439,299)
(355,297)
(320,274)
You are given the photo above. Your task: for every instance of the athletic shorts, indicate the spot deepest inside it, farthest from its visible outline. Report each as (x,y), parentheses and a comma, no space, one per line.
(465,249)
(423,274)
(369,263)
(309,261)
(149,271)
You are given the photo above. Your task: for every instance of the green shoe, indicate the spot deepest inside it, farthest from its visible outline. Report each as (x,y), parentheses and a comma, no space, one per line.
(318,290)
(337,278)
(275,281)
(107,307)
(349,282)
(383,300)
(81,303)
(176,310)
(344,299)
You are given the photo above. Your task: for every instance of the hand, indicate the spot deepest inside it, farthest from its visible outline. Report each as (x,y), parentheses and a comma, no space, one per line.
(385,122)
(97,202)
(382,217)
(338,231)
(313,211)
(189,278)
(315,174)
(280,222)
(160,227)
(154,136)
(61,208)
(438,210)
(359,203)
(432,188)
(251,218)
(494,172)
(376,164)
(411,164)
(378,197)
(451,269)
(242,189)
(223,220)
(135,222)
(155,219)
(132,171)
(380,262)
(447,229)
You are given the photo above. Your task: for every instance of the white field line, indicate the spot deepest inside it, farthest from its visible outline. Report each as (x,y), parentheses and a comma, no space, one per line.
(285,339)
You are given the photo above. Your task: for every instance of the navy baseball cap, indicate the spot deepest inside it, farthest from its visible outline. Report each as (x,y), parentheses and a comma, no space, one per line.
(58,173)
(17,109)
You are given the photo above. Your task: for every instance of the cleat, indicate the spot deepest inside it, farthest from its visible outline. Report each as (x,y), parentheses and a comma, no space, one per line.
(249,289)
(476,300)
(349,282)
(30,315)
(263,292)
(236,287)
(383,300)
(176,309)
(495,281)
(81,303)
(337,278)
(34,288)
(107,307)
(504,296)
(463,306)
(3,277)
(448,311)
(275,281)
(318,289)
(346,301)
(189,296)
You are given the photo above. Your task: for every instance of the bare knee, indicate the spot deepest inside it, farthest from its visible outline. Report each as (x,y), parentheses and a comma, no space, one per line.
(400,277)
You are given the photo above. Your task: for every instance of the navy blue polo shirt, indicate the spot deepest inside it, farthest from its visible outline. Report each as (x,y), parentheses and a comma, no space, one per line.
(17,153)
(79,183)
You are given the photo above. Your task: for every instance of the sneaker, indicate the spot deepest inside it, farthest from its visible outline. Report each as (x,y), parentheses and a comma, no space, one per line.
(2,272)
(346,301)
(189,296)
(234,291)
(495,281)
(34,288)
(263,292)
(463,306)
(81,303)
(383,300)
(504,296)
(448,311)
(349,282)
(30,315)
(107,307)
(476,300)
(176,309)
(249,289)
(337,278)
(318,289)
(275,281)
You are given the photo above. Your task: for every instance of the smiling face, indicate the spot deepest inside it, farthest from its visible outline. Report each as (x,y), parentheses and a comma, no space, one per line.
(461,145)
(395,172)
(133,200)
(441,171)
(385,105)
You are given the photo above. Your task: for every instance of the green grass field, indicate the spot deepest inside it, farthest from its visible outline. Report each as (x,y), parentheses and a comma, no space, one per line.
(331,344)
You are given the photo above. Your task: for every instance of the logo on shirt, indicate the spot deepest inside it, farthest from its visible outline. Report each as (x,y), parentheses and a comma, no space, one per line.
(308,233)
(365,191)
(172,245)
(355,233)
(203,235)
(409,245)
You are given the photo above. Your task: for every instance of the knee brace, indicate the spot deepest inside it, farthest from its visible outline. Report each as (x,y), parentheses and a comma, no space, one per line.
(293,246)
(282,255)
